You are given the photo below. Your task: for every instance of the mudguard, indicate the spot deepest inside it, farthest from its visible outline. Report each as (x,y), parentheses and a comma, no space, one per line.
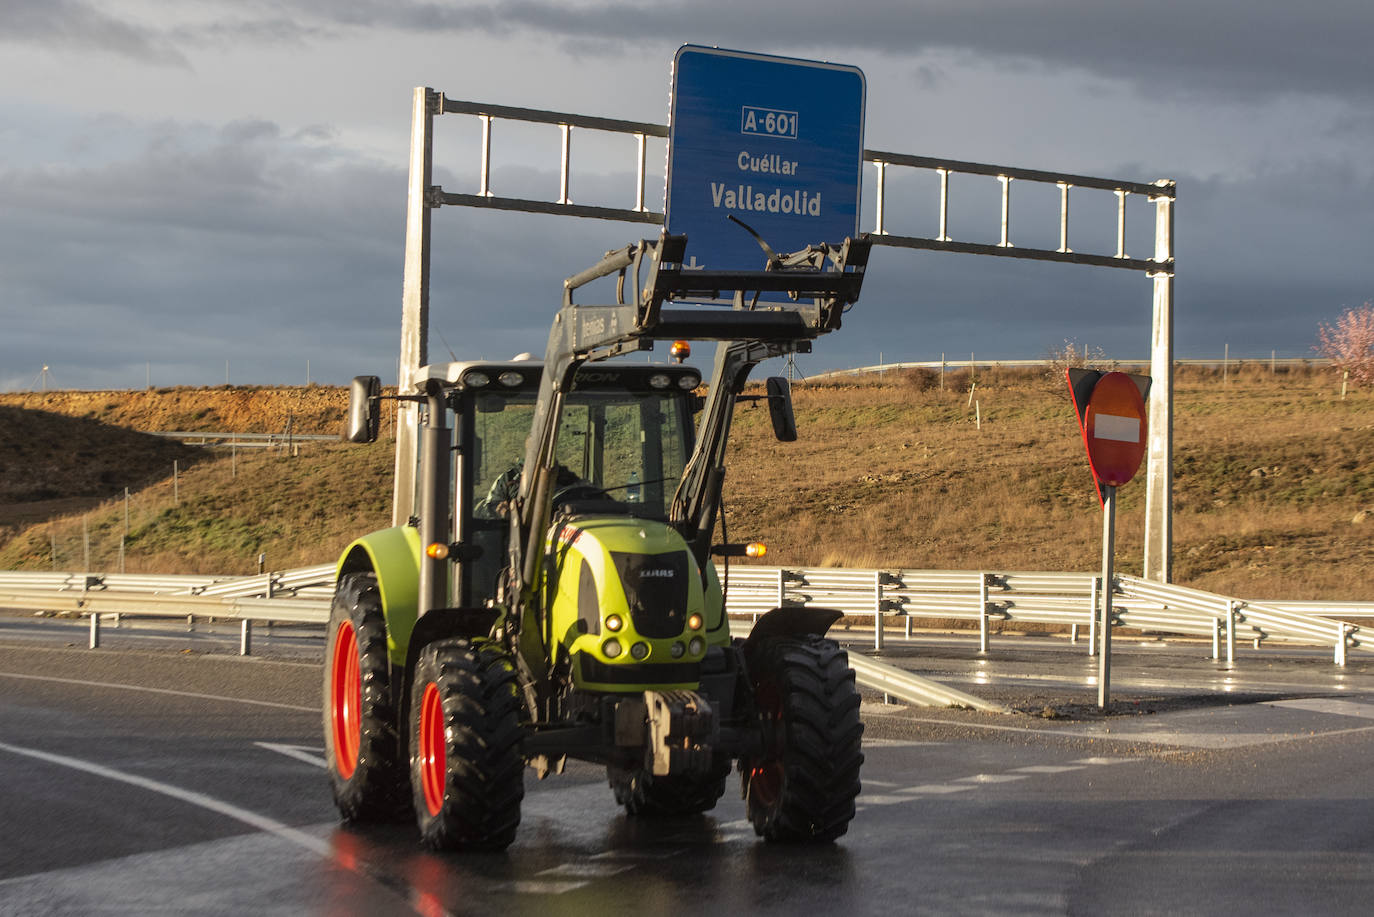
(790,622)
(393,555)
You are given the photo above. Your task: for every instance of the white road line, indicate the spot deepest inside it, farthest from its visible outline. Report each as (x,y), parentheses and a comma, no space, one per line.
(1096,761)
(112,684)
(993,778)
(938,789)
(299,752)
(252,819)
(584,870)
(1047,769)
(1326,705)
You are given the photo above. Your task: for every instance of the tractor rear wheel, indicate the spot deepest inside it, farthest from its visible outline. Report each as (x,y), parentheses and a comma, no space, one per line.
(803,785)
(361,737)
(643,794)
(466,766)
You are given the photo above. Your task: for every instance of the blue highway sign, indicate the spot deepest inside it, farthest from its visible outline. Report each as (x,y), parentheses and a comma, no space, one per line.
(772,141)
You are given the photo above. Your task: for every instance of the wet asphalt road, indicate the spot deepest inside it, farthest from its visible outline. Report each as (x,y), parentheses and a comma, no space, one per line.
(161,774)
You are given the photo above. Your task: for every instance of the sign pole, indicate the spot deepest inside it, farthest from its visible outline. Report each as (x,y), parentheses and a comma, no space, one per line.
(1104,676)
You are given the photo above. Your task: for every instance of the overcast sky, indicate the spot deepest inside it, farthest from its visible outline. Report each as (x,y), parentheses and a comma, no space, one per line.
(190,185)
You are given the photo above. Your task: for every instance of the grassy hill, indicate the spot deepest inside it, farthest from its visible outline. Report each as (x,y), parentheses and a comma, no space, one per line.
(1273,489)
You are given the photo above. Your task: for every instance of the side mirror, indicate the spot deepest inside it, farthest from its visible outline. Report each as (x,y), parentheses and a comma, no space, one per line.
(780,409)
(364,418)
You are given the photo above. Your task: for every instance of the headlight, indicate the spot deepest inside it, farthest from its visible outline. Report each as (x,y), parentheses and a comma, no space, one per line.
(660,380)
(677,649)
(611,648)
(694,621)
(697,646)
(640,650)
(687,383)
(476,379)
(510,378)
(613,623)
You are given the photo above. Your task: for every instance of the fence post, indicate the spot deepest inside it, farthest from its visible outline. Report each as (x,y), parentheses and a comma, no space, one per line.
(877,609)
(1340,643)
(245,637)
(95,630)
(983,612)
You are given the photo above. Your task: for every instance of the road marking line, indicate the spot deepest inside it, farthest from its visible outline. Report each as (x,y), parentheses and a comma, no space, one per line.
(252,819)
(881,800)
(937,788)
(896,743)
(584,870)
(535,887)
(1047,769)
(299,752)
(992,778)
(1327,705)
(1105,760)
(111,684)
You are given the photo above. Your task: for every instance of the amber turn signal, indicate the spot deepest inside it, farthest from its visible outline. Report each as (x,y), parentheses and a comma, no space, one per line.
(438,551)
(755,549)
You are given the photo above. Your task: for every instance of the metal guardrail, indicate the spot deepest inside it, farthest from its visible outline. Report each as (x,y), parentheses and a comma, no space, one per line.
(243,440)
(986,598)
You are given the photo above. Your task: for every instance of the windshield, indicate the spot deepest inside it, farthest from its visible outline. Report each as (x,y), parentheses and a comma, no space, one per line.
(632,446)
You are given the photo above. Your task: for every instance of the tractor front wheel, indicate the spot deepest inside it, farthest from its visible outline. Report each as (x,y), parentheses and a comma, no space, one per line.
(361,737)
(466,767)
(803,785)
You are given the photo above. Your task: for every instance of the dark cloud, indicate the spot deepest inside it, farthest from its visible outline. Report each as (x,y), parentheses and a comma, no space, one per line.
(1172,46)
(81,26)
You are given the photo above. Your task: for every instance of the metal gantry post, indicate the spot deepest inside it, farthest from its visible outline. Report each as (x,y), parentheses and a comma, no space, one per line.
(982,613)
(415,296)
(1159,468)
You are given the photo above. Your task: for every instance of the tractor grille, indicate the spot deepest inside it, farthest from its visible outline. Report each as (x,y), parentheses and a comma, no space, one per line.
(641,673)
(656,589)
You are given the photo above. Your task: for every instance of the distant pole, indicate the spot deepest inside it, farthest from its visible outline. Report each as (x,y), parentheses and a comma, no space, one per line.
(149,370)
(307,374)
(1104,677)
(85,545)
(121,555)
(126,512)
(1225,363)
(1272,354)
(53,533)
(176,491)
(226,372)
(942,370)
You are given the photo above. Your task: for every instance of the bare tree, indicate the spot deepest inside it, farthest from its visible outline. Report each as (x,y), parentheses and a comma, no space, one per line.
(1349,344)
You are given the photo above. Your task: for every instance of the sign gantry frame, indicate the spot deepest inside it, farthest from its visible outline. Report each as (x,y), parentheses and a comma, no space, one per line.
(424,196)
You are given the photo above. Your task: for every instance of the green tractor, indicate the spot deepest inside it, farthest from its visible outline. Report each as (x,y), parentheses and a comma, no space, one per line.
(556,594)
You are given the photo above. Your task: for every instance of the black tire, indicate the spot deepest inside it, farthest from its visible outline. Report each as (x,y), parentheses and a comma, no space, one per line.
(466,764)
(361,736)
(642,794)
(803,786)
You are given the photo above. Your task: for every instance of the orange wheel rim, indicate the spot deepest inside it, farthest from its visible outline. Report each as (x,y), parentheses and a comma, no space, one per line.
(433,758)
(346,700)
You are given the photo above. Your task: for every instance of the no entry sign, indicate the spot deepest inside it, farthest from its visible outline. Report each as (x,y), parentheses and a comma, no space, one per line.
(1111,416)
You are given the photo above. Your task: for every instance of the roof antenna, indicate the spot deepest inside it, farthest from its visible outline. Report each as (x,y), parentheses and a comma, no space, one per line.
(446,347)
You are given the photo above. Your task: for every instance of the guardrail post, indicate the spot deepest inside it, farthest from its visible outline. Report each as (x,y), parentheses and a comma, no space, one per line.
(1216,636)
(877,609)
(1230,633)
(1092,618)
(983,613)
(95,630)
(1340,642)
(245,637)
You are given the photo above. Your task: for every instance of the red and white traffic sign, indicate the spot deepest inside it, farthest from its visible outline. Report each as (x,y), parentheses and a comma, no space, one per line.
(1111,416)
